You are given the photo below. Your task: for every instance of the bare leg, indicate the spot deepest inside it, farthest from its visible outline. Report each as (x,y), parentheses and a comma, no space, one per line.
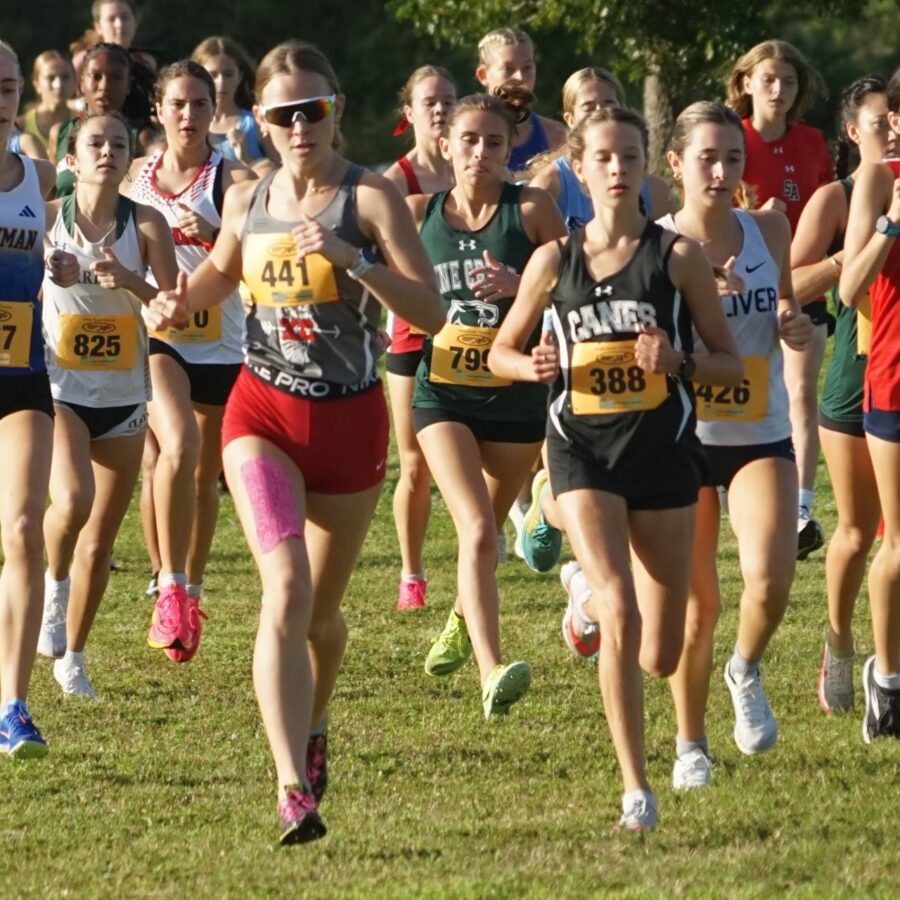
(148,508)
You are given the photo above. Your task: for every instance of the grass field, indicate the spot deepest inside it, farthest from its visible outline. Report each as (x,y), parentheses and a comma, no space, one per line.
(165,788)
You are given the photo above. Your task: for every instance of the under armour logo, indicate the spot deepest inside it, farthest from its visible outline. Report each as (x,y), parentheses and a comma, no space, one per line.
(603,290)
(470,245)
(28,212)
(789,169)
(778,150)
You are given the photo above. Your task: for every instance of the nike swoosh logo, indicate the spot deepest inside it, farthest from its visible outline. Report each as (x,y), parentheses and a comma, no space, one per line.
(754,268)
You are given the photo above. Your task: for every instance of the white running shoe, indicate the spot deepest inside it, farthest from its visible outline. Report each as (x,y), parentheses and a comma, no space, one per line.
(638,811)
(517,517)
(580,632)
(692,770)
(755,730)
(52,639)
(73,680)
(835,682)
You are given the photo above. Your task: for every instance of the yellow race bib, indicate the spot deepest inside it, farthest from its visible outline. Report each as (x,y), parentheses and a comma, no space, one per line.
(863,326)
(15,334)
(459,356)
(606,380)
(97,343)
(204,327)
(747,403)
(276,278)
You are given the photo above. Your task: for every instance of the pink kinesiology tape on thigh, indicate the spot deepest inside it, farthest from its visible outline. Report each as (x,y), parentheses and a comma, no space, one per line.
(271,497)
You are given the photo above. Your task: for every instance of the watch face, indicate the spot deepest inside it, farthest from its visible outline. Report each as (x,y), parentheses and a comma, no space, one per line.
(885,226)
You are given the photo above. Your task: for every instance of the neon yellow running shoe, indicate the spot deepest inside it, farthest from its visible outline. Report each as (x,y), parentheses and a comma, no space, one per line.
(451,649)
(504,686)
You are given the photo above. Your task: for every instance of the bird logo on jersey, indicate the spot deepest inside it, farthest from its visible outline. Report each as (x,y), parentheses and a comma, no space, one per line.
(461,311)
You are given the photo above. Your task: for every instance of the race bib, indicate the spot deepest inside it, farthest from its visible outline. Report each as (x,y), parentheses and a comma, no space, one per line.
(863,326)
(204,327)
(276,278)
(96,343)
(15,334)
(459,356)
(606,380)
(749,402)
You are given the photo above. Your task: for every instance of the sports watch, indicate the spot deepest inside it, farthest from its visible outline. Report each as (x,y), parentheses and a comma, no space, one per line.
(687,367)
(885,226)
(365,259)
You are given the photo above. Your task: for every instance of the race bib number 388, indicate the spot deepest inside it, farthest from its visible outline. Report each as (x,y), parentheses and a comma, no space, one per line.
(276,278)
(606,379)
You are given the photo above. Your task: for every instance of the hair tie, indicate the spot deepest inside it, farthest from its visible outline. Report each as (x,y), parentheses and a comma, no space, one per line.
(401,126)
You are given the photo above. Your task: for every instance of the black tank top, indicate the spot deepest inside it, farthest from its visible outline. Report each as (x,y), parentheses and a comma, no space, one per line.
(602,399)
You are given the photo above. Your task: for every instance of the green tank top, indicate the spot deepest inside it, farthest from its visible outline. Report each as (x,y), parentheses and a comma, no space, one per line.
(842,390)
(453,374)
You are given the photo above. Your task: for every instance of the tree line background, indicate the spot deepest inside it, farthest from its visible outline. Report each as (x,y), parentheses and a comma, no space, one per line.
(667,53)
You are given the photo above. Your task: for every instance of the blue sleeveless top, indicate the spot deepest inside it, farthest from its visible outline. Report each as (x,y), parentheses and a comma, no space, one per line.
(575,205)
(537,143)
(247,124)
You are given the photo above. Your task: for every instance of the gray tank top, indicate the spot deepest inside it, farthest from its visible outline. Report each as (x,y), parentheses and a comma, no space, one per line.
(314,330)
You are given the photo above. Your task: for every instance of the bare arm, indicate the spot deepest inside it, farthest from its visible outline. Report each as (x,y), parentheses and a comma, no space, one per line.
(822,218)
(541,217)
(692,274)
(865,250)
(158,251)
(548,179)
(506,357)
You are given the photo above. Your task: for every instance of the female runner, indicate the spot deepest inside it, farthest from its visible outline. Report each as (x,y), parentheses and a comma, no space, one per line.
(107,85)
(585,91)
(426,100)
(97,359)
(872,262)
(816,257)
(770,87)
(480,434)
(507,55)
(54,84)
(233,132)
(305,430)
(622,452)
(26,419)
(745,432)
(193,368)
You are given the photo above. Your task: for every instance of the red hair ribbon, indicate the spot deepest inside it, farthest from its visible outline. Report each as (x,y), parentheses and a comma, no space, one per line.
(402,125)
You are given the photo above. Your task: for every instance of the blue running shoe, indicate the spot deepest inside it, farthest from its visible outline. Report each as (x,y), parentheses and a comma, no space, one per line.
(541,543)
(18,736)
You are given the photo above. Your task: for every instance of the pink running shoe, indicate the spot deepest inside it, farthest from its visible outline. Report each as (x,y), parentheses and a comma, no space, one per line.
(195,620)
(300,821)
(317,764)
(169,625)
(412,594)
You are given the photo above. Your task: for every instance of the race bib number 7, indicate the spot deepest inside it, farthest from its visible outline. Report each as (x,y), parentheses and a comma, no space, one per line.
(606,380)
(459,355)
(15,334)
(276,278)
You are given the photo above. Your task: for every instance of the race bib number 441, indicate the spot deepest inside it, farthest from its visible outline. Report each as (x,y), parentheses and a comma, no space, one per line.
(606,379)
(459,355)
(276,278)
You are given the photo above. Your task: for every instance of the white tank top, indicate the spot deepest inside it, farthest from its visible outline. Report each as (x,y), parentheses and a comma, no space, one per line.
(214,335)
(757,411)
(96,339)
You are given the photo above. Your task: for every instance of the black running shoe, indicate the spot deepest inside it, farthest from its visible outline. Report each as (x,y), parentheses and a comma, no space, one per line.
(809,536)
(882,713)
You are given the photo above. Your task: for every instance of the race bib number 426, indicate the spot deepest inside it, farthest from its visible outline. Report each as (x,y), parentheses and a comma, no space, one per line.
(748,402)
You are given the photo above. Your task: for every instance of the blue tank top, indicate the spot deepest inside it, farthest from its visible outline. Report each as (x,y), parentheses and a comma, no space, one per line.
(22,227)
(247,125)
(575,205)
(537,143)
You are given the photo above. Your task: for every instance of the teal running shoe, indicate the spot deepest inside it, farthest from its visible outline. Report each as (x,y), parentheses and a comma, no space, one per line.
(541,543)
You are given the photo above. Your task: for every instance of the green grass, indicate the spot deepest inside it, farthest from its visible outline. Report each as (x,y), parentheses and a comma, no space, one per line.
(165,788)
